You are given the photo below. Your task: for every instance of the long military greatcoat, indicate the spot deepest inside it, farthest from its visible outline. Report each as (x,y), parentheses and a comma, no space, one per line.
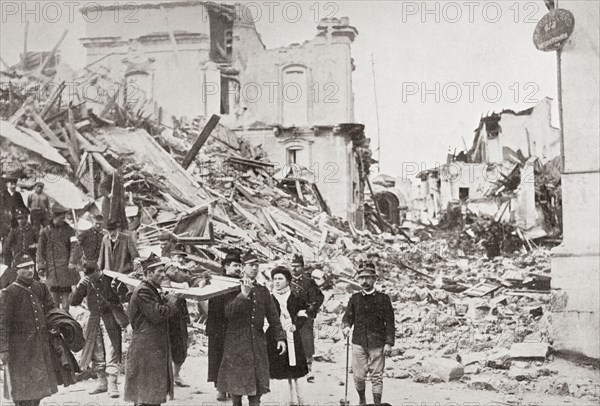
(24,335)
(216,326)
(149,373)
(54,255)
(245,365)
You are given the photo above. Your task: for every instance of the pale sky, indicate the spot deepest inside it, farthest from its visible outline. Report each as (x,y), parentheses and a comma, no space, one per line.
(438,65)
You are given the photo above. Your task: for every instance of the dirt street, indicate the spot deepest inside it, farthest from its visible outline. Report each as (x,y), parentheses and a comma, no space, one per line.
(328,389)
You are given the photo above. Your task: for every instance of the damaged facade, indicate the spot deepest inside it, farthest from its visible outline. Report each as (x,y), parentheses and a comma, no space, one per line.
(511,173)
(295,103)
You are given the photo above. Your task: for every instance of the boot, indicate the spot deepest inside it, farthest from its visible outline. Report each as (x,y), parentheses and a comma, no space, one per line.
(377,398)
(221,396)
(362,399)
(176,378)
(102,384)
(113,389)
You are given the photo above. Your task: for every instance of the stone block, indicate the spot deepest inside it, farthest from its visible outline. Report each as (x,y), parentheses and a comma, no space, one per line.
(443,368)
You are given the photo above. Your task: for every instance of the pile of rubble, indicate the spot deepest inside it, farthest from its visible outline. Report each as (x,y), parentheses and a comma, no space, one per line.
(198,189)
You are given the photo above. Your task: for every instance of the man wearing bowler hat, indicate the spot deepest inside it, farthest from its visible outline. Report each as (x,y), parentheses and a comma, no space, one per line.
(117,250)
(372,315)
(55,258)
(12,200)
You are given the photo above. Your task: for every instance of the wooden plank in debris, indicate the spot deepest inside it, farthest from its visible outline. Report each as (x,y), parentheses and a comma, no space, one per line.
(45,128)
(218,286)
(212,123)
(482,289)
(72,136)
(55,96)
(51,55)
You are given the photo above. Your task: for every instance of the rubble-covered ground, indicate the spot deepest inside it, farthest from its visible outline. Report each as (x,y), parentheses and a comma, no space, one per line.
(467,328)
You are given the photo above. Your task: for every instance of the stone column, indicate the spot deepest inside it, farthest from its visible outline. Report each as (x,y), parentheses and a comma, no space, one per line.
(576,262)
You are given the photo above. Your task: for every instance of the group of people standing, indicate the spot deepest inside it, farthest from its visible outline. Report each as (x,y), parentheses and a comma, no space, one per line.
(242,356)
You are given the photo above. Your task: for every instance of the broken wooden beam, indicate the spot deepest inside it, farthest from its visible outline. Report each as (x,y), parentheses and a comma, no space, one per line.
(51,55)
(212,123)
(50,103)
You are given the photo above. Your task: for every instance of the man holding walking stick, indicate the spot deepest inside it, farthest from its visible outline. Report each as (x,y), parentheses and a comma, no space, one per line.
(372,315)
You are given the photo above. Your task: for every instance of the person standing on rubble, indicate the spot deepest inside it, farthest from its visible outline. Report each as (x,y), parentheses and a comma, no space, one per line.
(305,287)
(244,369)
(148,370)
(39,206)
(91,240)
(20,240)
(117,250)
(104,328)
(55,259)
(24,338)
(216,323)
(372,315)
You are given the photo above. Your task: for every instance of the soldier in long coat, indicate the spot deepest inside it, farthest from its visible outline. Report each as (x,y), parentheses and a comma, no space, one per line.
(103,332)
(117,250)
(55,259)
(306,288)
(24,340)
(216,323)
(20,240)
(245,366)
(148,371)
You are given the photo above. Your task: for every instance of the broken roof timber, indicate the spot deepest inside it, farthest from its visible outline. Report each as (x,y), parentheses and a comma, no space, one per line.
(142,148)
(32,141)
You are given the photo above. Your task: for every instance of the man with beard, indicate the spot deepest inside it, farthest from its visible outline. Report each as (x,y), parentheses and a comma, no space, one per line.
(148,371)
(244,369)
(55,259)
(305,287)
(24,340)
(117,251)
(372,315)
(216,323)
(103,332)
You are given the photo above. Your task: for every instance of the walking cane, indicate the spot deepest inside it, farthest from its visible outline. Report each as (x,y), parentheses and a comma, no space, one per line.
(346,403)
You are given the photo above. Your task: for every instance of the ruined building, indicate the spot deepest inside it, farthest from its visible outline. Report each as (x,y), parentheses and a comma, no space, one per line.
(197,58)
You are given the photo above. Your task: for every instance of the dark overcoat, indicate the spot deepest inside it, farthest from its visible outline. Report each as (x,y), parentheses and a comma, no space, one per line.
(90,242)
(279,365)
(148,371)
(216,326)
(245,366)
(23,334)
(54,255)
(305,287)
(20,239)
